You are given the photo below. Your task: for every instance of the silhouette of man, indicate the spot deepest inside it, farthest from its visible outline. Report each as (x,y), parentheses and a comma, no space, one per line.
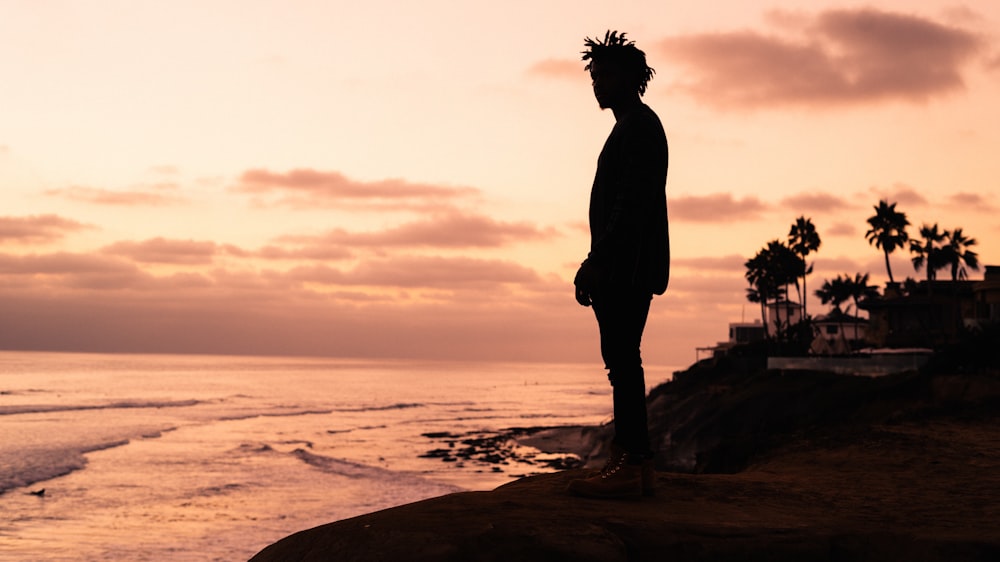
(629,259)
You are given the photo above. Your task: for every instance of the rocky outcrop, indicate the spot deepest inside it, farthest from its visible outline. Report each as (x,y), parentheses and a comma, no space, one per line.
(775,466)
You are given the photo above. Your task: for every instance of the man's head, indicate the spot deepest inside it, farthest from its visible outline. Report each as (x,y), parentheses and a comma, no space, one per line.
(618,69)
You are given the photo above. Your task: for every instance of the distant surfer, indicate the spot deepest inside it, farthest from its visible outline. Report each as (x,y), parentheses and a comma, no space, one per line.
(629,259)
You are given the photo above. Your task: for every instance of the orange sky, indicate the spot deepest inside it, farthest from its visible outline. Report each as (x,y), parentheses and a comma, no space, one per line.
(410,179)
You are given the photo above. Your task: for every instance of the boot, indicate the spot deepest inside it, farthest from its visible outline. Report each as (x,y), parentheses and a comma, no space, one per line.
(618,479)
(617,456)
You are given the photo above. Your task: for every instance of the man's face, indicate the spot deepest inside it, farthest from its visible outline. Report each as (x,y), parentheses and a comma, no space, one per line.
(610,85)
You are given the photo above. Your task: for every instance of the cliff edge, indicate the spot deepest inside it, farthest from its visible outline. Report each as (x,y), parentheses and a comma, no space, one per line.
(775,466)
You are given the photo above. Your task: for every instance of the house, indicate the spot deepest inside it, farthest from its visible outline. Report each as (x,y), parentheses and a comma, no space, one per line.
(782,314)
(746,332)
(739,333)
(986,298)
(933,313)
(837,333)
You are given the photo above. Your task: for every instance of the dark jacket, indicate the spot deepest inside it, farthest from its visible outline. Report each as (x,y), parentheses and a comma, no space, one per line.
(629,237)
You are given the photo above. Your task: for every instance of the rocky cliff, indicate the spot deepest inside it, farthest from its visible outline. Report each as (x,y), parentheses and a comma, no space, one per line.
(754,465)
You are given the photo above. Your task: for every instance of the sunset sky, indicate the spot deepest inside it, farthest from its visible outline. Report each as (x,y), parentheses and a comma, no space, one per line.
(410,179)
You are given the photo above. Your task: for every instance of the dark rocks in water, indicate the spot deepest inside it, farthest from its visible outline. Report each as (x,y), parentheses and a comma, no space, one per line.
(497,448)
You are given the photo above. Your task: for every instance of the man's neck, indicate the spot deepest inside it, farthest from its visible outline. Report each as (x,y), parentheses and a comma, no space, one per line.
(627,106)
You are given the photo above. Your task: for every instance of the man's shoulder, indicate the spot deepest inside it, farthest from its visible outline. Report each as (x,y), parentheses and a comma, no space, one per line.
(642,125)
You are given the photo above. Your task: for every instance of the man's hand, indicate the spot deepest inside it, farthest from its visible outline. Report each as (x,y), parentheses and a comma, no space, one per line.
(585,282)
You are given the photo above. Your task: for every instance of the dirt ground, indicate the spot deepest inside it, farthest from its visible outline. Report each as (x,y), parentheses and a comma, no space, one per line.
(921,491)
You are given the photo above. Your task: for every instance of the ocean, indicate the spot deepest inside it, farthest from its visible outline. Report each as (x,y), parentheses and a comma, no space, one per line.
(177,458)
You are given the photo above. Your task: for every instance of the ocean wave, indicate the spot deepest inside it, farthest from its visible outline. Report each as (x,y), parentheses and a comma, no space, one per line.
(379,476)
(286,414)
(127,404)
(399,406)
(27,467)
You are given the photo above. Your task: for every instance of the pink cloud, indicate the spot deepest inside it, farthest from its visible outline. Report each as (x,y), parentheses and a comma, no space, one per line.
(718,207)
(710,287)
(731,262)
(559,68)
(420,271)
(815,202)
(37,228)
(445,230)
(901,193)
(842,229)
(61,263)
(828,267)
(161,250)
(72,271)
(312,252)
(415,307)
(305,187)
(993,62)
(107,197)
(848,56)
(972,202)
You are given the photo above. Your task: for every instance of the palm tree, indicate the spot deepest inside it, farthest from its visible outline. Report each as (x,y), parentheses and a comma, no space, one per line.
(956,253)
(860,290)
(803,240)
(762,286)
(769,273)
(888,231)
(836,291)
(927,252)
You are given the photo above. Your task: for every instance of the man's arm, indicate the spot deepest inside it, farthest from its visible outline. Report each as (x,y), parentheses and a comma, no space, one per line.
(637,190)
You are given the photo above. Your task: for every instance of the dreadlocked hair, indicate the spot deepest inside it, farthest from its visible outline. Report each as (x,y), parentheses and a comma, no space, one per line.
(618,50)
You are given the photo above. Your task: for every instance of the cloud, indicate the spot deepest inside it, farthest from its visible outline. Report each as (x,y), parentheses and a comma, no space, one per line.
(60,263)
(559,68)
(731,262)
(901,193)
(842,229)
(846,56)
(815,202)
(710,287)
(972,202)
(447,230)
(718,207)
(161,250)
(415,307)
(313,252)
(305,187)
(72,271)
(420,272)
(98,196)
(829,267)
(37,228)
(992,63)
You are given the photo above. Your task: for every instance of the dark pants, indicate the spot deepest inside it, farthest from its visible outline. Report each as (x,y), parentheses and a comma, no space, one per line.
(621,318)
